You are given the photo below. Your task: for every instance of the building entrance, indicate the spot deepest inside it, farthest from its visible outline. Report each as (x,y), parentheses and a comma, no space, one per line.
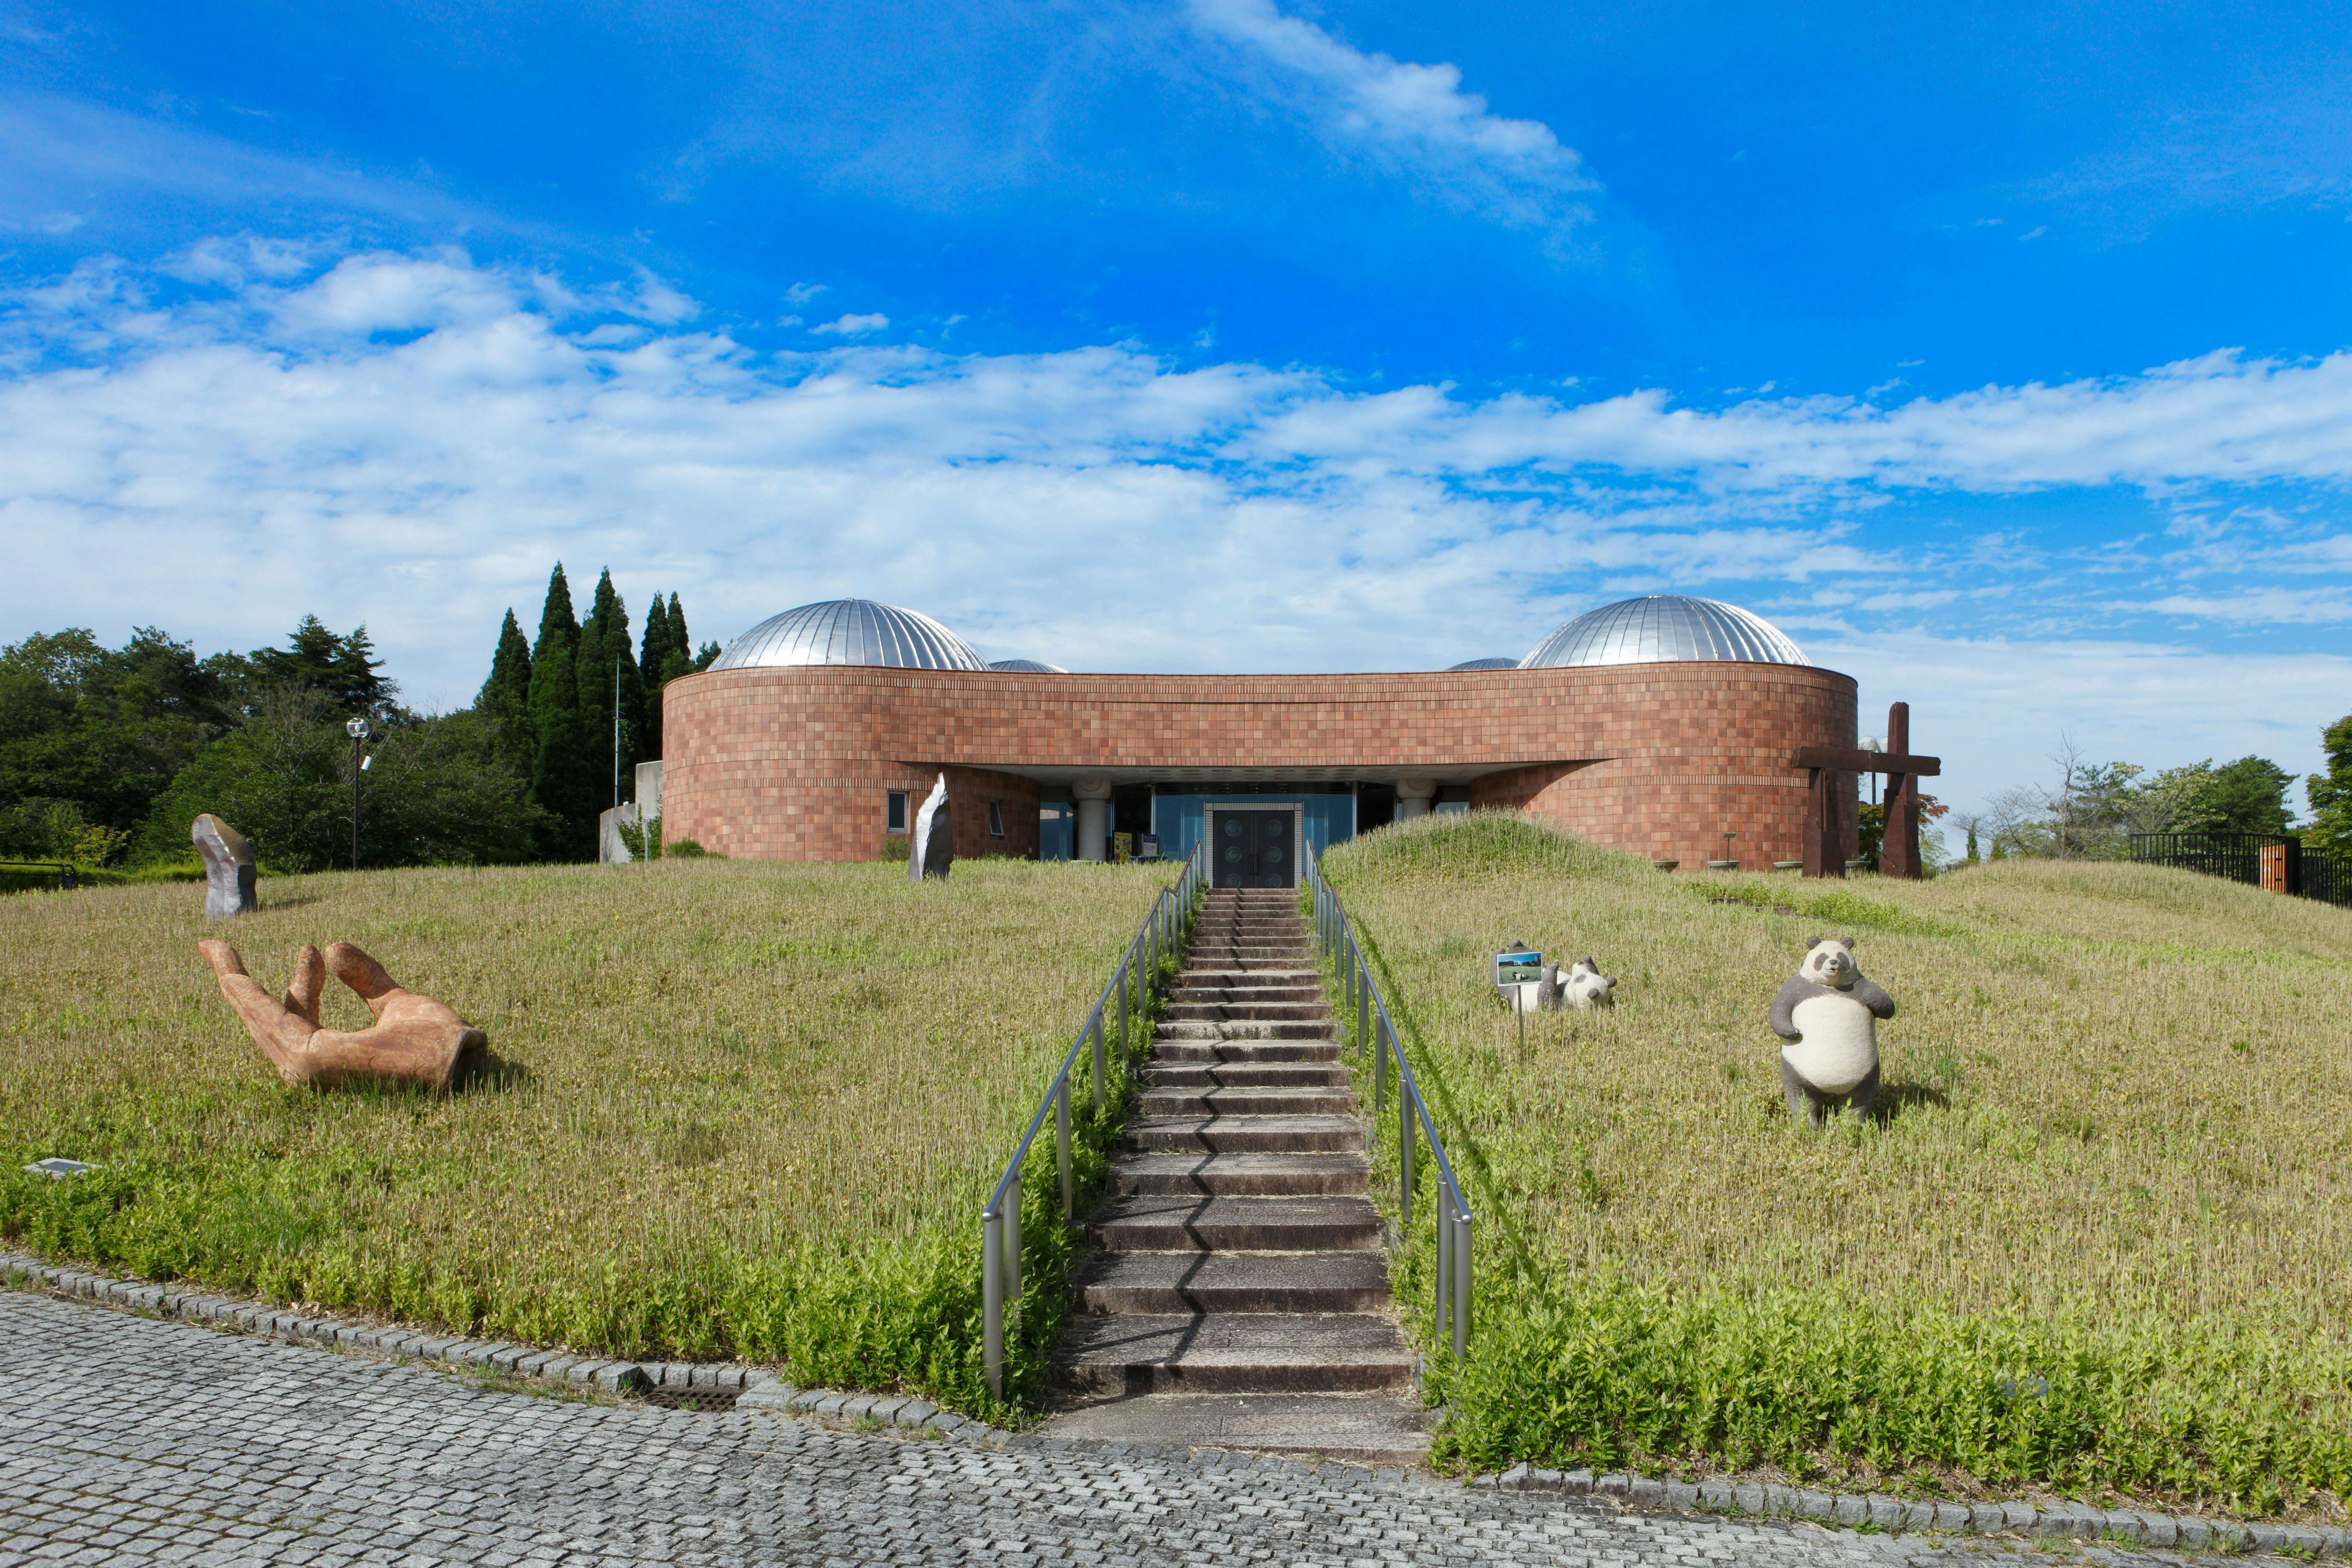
(1254,849)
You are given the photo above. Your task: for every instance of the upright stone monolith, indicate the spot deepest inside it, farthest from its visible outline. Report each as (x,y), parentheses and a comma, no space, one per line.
(932,847)
(228,868)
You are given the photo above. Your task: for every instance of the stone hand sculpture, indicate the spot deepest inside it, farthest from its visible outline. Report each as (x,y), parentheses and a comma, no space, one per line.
(228,868)
(932,847)
(1829,1015)
(414,1040)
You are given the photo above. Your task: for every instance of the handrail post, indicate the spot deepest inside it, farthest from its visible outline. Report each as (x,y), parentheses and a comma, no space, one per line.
(1404,1148)
(1461,1288)
(1062,1139)
(1445,1229)
(1098,1072)
(991,1300)
(1013,1245)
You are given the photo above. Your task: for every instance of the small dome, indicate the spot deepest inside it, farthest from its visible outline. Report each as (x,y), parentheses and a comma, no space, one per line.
(850,631)
(1663,629)
(1484,664)
(1027,667)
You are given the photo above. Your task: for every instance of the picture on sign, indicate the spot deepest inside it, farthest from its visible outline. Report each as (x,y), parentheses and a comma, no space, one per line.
(1518,967)
(1122,847)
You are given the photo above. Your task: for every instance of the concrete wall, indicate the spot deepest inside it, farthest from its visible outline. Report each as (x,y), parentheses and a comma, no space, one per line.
(1659,758)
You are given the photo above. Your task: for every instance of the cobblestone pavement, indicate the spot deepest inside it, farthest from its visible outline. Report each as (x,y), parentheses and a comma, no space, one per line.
(126,1439)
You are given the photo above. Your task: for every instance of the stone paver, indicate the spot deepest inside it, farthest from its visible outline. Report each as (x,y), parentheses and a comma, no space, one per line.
(127,1440)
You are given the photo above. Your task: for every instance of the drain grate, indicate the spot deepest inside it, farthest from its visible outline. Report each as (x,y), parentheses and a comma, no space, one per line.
(693,1398)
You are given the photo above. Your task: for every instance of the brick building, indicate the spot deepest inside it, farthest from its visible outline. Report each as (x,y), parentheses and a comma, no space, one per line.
(1661,725)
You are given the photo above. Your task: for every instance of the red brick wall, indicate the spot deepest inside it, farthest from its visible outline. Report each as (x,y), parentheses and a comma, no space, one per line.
(1661,758)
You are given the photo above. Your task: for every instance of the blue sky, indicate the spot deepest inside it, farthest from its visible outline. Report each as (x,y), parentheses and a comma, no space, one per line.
(2000,357)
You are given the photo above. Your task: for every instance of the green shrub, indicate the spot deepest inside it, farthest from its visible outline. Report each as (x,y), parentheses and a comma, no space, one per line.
(687,849)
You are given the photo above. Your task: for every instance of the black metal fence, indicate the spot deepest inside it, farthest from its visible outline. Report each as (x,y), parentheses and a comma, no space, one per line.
(18,875)
(2241,856)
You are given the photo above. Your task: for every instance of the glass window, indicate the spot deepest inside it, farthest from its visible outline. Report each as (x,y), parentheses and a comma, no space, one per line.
(996,819)
(894,818)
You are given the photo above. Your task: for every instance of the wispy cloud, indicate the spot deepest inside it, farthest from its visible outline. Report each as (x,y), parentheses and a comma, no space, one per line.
(1416,119)
(852,326)
(253,429)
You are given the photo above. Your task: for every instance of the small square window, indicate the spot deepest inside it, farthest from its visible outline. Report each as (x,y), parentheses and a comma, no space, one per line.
(996,819)
(894,818)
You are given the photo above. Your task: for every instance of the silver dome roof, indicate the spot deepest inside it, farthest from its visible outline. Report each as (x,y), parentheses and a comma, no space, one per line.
(850,631)
(1027,667)
(1484,664)
(1661,628)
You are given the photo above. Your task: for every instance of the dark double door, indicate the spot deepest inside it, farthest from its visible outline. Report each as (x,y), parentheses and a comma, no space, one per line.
(1254,849)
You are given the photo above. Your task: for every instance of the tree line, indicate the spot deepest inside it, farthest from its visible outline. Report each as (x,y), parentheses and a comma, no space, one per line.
(107,754)
(2092,810)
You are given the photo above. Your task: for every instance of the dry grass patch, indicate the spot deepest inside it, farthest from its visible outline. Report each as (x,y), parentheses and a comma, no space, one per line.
(744,1109)
(2099,1236)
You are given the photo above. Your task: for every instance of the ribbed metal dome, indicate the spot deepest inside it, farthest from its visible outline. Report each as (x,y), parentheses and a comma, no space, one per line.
(1662,628)
(1485,663)
(850,631)
(1027,667)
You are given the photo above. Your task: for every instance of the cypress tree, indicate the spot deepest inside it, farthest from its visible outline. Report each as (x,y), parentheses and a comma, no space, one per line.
(505,700)
(509,686)
(680,659)
(650,660)
(562,779)
(604,669)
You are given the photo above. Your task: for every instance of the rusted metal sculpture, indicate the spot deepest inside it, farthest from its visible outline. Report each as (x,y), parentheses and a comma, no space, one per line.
(414,1040)
(1898,852)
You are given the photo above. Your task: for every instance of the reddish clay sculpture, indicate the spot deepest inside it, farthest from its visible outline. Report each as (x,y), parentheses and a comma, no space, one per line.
(414,1040)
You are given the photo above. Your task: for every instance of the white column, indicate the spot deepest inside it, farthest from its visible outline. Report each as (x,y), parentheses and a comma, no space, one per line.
(1093,796)
(1414,796)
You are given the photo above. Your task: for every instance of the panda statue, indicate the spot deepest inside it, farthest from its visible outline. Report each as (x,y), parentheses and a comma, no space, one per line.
(1585,986)
(1828,1012)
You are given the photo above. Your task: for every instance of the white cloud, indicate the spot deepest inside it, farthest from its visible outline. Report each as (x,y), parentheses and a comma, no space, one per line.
(1415,119)
(248,433)
(853,326)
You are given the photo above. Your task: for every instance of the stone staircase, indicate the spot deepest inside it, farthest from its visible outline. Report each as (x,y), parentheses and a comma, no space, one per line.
(1237,1292)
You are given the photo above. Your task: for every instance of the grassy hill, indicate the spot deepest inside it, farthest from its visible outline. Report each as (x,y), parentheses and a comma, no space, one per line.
(747,1110)
(2099,1239)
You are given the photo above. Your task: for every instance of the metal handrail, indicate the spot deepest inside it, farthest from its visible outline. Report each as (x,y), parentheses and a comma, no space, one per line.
(1335,936)
(62,870)
(1000,1221)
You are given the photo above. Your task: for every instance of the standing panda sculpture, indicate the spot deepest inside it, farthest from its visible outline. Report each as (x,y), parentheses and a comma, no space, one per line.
(1829,1012)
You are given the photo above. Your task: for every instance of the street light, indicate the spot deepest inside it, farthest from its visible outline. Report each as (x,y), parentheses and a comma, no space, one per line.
(358,731)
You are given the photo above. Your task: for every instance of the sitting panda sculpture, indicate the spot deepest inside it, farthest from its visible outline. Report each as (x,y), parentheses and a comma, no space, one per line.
(1829,1012)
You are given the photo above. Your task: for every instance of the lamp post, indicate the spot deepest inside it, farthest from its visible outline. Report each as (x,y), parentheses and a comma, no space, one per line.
(358,731)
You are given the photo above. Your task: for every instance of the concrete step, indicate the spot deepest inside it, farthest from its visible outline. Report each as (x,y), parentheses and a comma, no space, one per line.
(1182,1173)
(1176,1282)
(1246,1029)
(1247,1134)
(1340,1223)
(1251,977)
(1233,1352)
(1220,1012)
(1244,1075)
(1181,1053)
(1244,988)
(1246,1103)
(1362,1428)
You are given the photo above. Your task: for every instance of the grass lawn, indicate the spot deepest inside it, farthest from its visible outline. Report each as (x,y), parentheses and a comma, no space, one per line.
(749,1109)
(2102,1237)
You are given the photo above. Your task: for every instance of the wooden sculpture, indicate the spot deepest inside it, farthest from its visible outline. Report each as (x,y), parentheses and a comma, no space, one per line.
(414,1040)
